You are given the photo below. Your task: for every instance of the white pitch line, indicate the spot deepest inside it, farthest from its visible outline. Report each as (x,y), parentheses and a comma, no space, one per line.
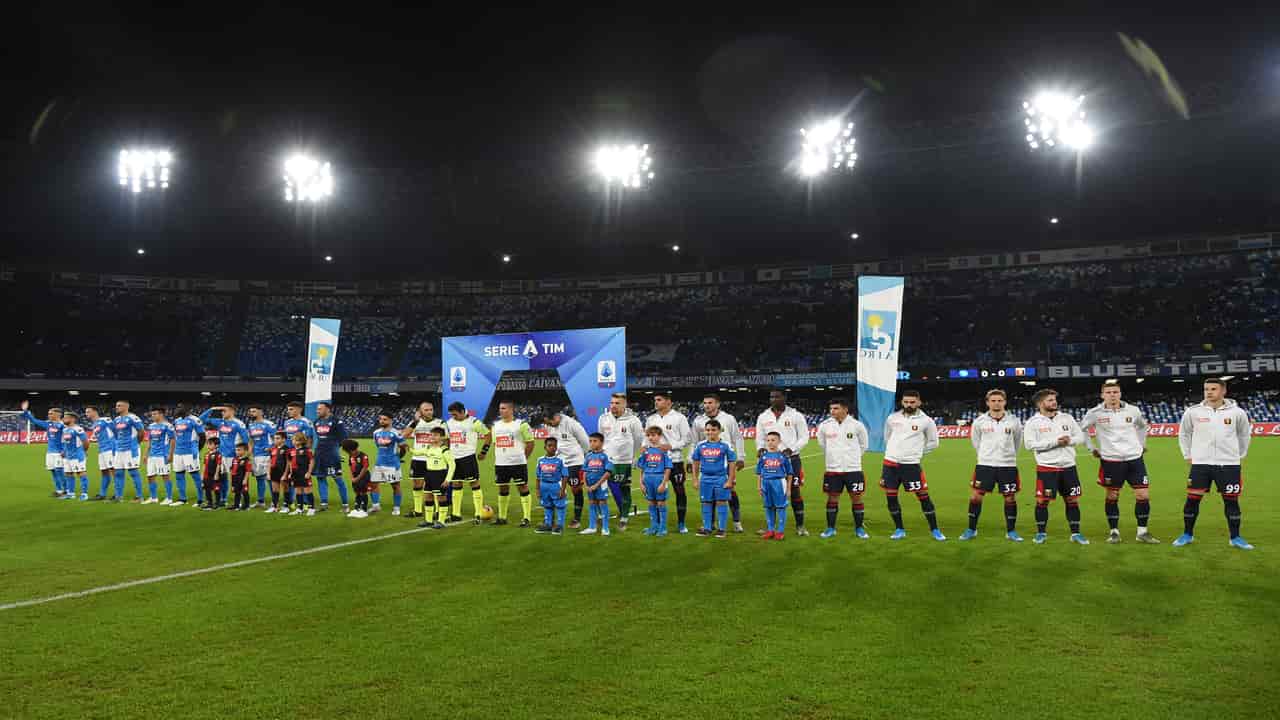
(215,568)
(202,571)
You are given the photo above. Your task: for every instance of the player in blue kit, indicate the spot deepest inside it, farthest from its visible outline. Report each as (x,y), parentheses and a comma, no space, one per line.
(75,443)
(715,462)
(188,438)
(128,455)
(597,469)
(387,464)
(230,432)
(330,432)
(159,457)
(105,436)
(773,470)
(53,447)
(293,424)
(261,434)
(552,477)
(655,467)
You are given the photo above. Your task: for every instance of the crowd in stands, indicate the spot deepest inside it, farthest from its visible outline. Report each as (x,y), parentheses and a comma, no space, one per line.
(1171,307)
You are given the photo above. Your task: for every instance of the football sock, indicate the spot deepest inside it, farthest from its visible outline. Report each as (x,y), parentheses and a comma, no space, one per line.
(735,506)
(662,519)
(797,506)
(262,488)
(275,498)
(1231,506)
(1112,508)
(84,484)
(375,498)
(182,486)
(504,502)
(895,511)
(859,513)
(1142,512)
(1042,516)
(560,513)
(616,491)
(722,514)
(603,509)
(418,502)
(833,511)
(455,503)
(168,488)
(682,504)
(119,478)
(707,509)
(1010,516)
(1190,511)
(768,518)
(136,477)
(526,506)
(624,506)
(397,498)
(477,499)
(653,517)
(106,484)
(151,489)
(780,520)
(926,505)
(57,480)
(577,506)
(197,481)
(342,490)
(208,496)
(322,485)
(975,509)
(1073,515)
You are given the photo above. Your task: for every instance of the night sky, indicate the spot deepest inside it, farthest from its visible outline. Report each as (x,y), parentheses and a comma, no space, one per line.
(458,134)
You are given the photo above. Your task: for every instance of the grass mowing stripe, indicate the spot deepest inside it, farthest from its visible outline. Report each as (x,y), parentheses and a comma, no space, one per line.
(204,571)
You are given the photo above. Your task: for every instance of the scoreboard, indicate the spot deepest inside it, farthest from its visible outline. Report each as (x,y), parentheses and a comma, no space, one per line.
(985,373)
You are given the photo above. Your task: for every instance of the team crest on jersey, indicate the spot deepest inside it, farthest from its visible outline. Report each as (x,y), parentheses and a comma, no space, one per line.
(1128,419)
(1227,420)
(786,423)
(915,427)
(849,435)
(1008,431)
(1064,427)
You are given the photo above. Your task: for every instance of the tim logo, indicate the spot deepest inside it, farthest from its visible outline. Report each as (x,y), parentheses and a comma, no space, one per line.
(530,350)
(606,373)
(321,363)
(879,331)
(457,378)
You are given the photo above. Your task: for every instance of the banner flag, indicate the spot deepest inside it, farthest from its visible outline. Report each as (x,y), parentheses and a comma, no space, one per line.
(879,338)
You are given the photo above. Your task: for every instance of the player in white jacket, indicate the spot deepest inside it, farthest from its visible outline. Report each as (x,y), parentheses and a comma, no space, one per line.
(996,436)
(1053,437)
(1122,439)
(791,425)
(571,447)
(1214,438)
(623,437)
(909,435)
(843,439)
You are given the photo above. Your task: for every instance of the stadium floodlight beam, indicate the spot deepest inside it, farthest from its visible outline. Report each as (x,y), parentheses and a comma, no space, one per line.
(144,169)
(829,145)
(307,179)
(629,166)
(1055,119)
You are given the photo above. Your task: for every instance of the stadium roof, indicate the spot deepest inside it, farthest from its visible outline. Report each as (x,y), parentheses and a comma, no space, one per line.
(455,139)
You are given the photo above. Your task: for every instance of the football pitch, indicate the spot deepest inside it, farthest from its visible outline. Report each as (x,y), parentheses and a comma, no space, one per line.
(494,622)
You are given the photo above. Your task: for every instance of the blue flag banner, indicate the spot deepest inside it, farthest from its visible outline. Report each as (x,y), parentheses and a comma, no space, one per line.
(879,337)
(592,364)
(322,353)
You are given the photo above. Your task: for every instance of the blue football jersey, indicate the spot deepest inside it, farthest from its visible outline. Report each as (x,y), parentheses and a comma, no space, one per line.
(713,457)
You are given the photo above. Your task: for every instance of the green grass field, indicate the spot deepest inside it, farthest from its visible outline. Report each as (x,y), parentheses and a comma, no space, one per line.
(498,622)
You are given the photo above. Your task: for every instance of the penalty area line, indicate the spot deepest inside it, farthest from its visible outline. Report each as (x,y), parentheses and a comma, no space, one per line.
(204,571)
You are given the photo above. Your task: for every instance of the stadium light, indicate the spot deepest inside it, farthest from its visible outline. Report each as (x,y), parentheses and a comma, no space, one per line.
(630,166)
(675,248)
(144,169)
(1055,120)
(142,251)
(328,258)
(853,236)
(827,146)
(1053,221)
(307,179)
(506,258)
